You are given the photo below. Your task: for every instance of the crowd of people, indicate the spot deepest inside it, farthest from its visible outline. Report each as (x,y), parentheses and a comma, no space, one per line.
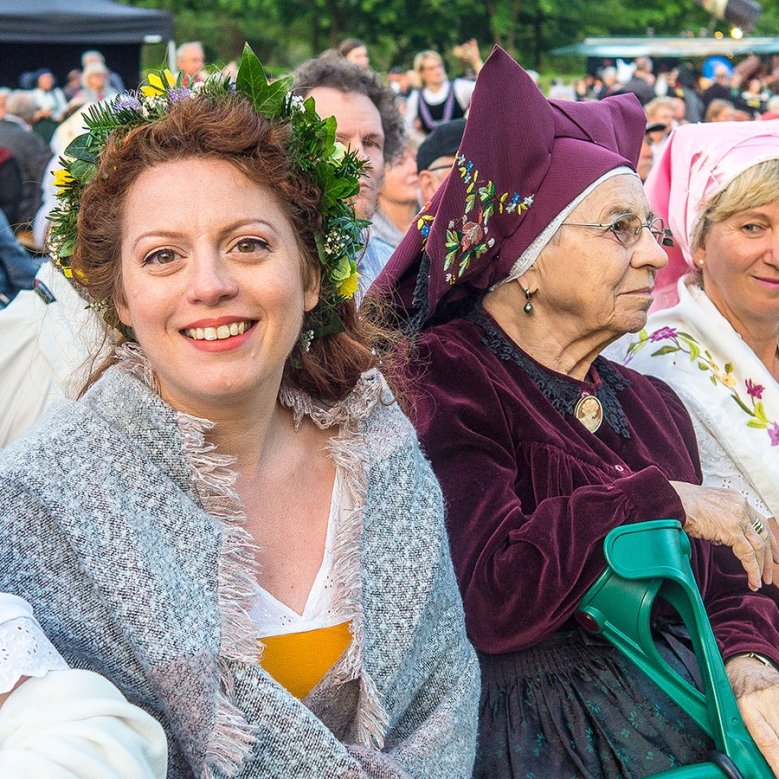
(327,392)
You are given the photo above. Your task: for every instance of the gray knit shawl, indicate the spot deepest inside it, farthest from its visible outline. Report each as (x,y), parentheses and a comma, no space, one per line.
(121,528)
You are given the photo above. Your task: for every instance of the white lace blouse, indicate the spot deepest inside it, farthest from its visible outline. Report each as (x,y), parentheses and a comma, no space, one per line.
(24,648)
(274,618)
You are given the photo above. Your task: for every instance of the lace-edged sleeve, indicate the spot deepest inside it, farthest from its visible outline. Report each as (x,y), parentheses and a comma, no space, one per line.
(719,470)
(24,648)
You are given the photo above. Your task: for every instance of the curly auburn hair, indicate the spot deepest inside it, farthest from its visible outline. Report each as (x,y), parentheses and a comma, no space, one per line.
(227,129)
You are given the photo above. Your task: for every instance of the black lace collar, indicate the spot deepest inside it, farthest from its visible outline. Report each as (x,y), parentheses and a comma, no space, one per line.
(563,392)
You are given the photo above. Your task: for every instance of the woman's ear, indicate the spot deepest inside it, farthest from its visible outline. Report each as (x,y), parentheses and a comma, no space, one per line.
(311,291)
(122,310)
(699,255)
(528,281)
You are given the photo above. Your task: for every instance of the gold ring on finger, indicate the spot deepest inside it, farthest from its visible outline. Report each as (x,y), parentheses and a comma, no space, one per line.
(758,526)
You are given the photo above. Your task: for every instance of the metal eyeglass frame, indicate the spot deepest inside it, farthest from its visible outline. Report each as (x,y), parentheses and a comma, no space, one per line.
(656,227)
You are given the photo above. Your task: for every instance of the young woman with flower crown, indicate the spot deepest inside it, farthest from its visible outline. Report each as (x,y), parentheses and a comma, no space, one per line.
(234,524)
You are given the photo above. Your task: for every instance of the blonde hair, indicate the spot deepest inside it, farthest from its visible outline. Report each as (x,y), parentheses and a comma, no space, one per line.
(756,186)
(419,59)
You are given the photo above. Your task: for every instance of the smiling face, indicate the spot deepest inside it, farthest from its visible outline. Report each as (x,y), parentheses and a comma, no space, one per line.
(589,284)
(211,283)
(740,257)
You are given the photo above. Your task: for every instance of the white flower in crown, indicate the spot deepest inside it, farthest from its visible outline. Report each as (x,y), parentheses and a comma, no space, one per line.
(296,102)
(339,152)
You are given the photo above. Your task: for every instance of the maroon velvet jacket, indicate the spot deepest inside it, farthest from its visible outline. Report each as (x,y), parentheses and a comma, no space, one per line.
(531,493)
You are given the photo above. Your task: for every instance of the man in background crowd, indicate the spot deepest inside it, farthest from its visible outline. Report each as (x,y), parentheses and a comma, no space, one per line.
(368,123)
(190,59)
(436,156)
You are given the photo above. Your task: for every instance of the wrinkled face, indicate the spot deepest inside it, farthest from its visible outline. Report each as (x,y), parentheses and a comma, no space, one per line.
(431,179)
(587,278)
(741,266)
(401,182)
(212,283)
(359,56)
(360,130)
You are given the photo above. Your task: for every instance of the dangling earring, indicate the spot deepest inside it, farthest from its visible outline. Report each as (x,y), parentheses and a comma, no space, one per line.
(528,307)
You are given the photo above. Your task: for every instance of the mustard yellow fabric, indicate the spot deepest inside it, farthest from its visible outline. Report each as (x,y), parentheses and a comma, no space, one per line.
(298,661)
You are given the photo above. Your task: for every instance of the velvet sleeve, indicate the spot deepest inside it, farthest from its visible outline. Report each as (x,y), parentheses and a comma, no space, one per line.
(522,572)
(742,620)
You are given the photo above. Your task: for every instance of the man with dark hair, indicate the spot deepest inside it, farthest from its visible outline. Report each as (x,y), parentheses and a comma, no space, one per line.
(369,123)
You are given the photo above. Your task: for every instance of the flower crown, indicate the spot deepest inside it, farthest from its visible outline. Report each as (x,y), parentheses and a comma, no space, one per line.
(312,149)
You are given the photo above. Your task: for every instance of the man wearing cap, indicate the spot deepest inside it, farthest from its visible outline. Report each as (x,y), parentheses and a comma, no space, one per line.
(436,156)
(538,251)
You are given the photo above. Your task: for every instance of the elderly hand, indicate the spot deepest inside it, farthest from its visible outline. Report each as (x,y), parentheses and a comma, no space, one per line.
(756,687)
(725,517)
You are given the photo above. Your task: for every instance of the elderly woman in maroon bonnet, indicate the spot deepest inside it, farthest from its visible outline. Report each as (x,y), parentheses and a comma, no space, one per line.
(538,252)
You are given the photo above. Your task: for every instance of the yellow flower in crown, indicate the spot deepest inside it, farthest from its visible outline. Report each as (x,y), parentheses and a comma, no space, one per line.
(62,180)
(349,287)
(156,87)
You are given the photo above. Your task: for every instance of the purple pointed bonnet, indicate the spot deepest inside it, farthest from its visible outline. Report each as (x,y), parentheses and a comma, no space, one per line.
(523,159)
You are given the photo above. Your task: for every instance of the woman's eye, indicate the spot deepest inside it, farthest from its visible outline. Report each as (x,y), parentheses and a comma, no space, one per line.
(160,257)
(249,245)
(752,228)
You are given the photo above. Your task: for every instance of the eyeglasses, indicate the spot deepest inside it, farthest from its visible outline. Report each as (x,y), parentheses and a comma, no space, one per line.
(440,167)
(627,228)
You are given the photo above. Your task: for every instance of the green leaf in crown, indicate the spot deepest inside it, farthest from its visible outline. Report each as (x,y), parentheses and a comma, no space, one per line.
(267,99)
(313,149)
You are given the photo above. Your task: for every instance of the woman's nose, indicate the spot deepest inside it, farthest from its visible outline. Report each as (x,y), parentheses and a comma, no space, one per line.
(648,252)
(211,280)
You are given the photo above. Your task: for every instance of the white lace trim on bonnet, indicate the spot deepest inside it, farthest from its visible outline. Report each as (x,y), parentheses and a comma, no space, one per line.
(531,254)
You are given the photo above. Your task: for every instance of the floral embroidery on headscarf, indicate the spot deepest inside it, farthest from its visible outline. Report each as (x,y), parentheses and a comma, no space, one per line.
(684,343)
(467,238)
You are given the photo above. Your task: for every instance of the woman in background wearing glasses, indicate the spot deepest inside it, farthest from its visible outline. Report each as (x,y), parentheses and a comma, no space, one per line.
(717,347)
(532,257)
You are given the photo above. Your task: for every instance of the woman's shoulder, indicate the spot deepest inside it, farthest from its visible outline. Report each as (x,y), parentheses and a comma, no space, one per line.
(645,386)
(83,438)
(46,445)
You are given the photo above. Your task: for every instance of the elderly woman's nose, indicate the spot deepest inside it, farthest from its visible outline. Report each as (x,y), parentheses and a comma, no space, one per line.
(210,279)
(649,252)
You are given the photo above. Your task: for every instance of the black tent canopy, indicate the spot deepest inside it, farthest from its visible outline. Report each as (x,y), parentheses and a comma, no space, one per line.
(53,33)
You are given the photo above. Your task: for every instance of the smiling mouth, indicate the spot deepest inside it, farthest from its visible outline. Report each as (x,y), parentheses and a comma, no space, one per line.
(220,333)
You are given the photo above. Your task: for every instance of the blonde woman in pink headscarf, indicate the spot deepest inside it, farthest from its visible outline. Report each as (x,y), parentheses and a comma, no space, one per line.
(718,188)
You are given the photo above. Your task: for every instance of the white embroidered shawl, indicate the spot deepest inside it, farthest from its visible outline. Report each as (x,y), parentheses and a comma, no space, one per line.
(730,394)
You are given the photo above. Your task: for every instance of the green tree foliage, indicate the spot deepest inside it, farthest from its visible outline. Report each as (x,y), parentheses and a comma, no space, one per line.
(285,32)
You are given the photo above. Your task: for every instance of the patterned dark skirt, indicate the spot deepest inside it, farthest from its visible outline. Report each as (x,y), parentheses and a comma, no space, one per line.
(575,707)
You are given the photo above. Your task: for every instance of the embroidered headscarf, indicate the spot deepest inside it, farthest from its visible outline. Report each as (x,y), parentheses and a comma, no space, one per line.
(523,159)
(697,163)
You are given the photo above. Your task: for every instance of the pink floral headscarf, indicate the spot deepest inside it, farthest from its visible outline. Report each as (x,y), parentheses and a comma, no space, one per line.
(698,162)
